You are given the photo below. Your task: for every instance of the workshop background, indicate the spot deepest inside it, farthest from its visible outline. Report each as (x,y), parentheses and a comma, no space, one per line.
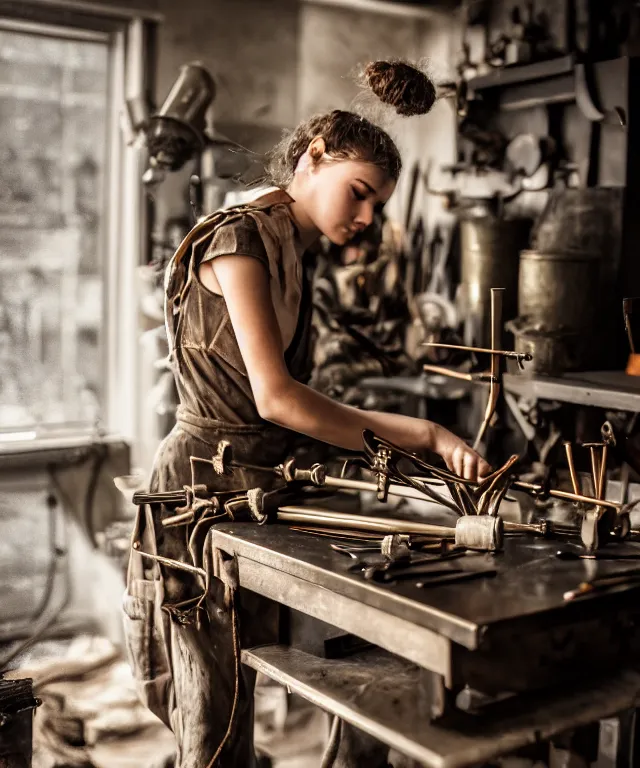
(536,164)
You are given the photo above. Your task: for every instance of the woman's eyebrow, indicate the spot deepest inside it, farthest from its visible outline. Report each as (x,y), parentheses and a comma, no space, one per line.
(368,186)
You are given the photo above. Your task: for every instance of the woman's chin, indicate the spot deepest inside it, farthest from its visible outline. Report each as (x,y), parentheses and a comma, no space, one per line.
(339,236)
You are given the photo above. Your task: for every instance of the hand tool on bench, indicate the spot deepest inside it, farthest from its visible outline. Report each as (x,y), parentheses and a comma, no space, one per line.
(603,583)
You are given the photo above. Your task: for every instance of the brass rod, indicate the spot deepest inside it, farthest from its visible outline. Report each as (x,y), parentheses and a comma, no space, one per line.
(176,520)
(575,482)
(314,515)
(343,520)
(448,372)
(519,485)
(595,472)
(496,339)
(504,352)
(363,485)
(497,295)
(602,480)
(171,563)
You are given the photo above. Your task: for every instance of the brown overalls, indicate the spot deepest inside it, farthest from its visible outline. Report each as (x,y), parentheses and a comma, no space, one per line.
(183,635)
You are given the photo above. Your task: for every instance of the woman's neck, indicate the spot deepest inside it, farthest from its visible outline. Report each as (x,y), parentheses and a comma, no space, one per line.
(307,230)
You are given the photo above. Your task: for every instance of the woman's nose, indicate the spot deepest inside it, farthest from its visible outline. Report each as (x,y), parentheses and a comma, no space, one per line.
(364,217)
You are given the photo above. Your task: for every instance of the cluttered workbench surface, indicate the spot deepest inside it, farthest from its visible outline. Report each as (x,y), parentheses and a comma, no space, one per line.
(530,581)
(442,655)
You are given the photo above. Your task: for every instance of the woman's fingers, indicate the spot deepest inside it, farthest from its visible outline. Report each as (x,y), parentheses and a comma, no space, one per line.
(463,460)
(458,463)
(470,466)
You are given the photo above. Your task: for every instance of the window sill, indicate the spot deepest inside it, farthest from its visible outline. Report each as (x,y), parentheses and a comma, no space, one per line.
(55,449)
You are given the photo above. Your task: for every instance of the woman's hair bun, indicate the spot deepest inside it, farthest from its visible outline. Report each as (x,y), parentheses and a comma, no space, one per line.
(402,86)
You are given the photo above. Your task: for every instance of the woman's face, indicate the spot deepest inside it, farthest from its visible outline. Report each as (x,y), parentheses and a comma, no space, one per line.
(343,196)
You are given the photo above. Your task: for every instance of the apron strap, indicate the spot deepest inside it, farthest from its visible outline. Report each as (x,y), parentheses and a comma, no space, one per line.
(142,538)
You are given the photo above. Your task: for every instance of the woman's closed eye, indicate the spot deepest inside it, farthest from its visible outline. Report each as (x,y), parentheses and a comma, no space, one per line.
(357,194)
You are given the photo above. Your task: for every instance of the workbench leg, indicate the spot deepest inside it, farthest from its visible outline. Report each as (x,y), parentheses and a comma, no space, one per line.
(620,741)
(349,747)
(577,749)
(435,698)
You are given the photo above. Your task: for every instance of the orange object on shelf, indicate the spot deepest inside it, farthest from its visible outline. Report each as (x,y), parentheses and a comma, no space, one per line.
(633,365)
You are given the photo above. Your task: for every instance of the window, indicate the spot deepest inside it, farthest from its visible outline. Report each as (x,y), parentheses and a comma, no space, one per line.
(71,224)
(54,108)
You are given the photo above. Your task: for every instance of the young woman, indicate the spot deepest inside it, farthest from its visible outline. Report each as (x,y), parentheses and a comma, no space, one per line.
(237,311)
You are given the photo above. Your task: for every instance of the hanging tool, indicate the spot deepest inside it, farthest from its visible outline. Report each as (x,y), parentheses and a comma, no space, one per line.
(414,237)
(588,100)
(439,255)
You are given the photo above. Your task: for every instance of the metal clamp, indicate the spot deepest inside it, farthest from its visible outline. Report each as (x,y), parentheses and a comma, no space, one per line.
(222,460)
(290,473)
(380,467)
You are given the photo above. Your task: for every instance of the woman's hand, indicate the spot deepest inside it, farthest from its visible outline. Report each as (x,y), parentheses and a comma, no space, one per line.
(459,457)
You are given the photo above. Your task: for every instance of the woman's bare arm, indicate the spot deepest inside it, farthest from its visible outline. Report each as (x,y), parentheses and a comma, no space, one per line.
(244,284)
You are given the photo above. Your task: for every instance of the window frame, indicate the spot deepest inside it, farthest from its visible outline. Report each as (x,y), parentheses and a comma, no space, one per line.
(124,235)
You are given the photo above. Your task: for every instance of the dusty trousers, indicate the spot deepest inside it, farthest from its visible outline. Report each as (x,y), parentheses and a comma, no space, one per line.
(184,634)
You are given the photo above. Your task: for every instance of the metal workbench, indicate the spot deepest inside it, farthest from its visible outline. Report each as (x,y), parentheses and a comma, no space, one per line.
(562,665)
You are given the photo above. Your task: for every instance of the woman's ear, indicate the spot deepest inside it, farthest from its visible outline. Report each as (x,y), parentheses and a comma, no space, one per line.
(316,149)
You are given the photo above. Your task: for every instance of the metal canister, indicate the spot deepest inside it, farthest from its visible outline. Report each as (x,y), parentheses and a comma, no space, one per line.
(553,351)
(558,298)
(559,289)
(490,249)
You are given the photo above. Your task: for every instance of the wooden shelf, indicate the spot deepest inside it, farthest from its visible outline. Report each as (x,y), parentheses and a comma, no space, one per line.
(523,73)
(529,85)
(379,694)
(600,389)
